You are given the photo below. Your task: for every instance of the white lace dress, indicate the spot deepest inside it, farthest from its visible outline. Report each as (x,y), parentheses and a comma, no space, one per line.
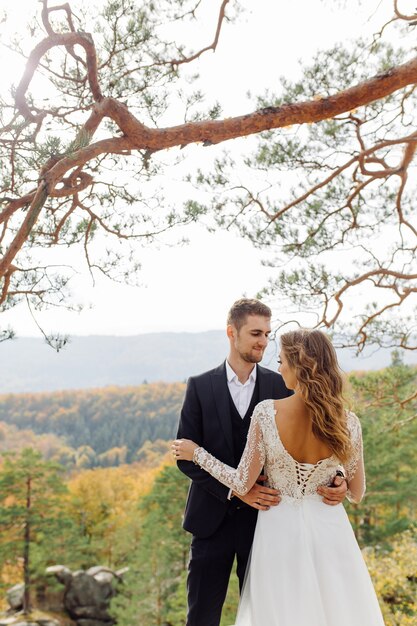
(306,568)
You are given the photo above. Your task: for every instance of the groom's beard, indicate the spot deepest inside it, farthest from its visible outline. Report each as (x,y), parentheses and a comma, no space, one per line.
(252,357)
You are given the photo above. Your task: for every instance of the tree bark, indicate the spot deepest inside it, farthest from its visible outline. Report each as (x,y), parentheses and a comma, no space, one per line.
(26,548)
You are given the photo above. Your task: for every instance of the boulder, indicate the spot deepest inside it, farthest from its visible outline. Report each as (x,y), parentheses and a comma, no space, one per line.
(87,597)
(19,620)
(14,596)
(63,574)
(88,593)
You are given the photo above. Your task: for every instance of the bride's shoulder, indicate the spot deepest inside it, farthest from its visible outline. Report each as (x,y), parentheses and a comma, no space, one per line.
(264,409)
(353,422)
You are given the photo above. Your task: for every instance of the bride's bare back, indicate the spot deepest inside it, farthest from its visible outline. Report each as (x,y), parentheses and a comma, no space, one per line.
(293,423)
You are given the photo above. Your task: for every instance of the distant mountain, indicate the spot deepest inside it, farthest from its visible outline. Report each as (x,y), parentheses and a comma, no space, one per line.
(29,365)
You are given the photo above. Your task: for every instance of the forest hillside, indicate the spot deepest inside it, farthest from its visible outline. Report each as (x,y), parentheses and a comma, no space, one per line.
(95,427)
(104,490)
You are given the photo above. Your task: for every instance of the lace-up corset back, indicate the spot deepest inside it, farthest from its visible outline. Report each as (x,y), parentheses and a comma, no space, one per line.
(291,477)
(264,448)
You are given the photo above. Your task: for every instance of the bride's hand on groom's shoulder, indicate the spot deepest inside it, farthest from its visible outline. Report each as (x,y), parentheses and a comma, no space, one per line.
(183,449)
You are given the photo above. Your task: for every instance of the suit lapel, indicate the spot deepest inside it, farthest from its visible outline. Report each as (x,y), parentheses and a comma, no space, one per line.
(222,401)
(265,385)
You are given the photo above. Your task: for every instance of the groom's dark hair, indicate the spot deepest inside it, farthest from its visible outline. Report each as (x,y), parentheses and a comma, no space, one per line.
(242,308)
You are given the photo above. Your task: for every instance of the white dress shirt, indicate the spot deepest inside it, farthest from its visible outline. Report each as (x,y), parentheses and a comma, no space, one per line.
(241,393)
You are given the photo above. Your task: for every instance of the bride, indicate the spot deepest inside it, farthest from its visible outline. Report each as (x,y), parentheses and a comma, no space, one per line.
(306,568)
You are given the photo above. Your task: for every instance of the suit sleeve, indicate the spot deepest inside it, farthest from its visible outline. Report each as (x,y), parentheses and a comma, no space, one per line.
(242,478)
(191,427)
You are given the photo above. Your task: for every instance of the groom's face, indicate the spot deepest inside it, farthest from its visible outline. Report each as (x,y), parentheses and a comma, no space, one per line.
(251,339)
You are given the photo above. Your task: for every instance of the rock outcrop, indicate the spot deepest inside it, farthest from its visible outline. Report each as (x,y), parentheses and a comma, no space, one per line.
(88,593)
(14,596)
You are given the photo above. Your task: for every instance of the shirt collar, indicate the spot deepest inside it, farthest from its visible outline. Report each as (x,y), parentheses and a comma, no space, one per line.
(231,374)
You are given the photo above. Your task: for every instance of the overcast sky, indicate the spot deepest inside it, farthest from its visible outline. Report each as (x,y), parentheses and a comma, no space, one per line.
(191,288)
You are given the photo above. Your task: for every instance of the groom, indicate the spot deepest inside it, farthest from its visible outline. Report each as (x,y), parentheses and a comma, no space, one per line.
(216,414)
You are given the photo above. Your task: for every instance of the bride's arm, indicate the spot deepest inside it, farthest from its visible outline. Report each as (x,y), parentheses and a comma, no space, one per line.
(240,479)
(355,467)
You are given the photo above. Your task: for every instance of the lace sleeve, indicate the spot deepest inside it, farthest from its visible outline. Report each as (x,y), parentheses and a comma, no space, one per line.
(242,478)
(355,469)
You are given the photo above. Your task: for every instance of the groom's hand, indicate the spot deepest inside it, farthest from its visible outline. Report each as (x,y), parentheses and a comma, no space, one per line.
(260,497)
(336,493)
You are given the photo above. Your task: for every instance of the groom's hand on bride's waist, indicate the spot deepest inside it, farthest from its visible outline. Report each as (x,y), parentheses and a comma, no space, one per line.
(260,497)
(336,493)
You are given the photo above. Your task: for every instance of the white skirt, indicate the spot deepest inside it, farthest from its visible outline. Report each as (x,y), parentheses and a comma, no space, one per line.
(306,569)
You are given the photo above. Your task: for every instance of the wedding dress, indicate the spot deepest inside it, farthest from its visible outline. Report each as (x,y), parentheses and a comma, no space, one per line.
(306,568)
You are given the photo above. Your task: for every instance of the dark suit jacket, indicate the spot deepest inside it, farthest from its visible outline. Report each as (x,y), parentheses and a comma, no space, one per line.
(205,418)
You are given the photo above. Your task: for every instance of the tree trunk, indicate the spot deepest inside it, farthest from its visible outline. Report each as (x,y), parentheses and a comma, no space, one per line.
(26,550)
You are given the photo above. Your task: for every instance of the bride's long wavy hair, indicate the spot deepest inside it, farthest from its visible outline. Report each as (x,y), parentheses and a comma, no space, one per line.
(320,384)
